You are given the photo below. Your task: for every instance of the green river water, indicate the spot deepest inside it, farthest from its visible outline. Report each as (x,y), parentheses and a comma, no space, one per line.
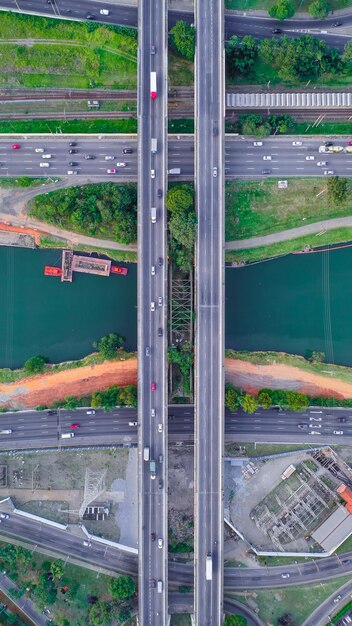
(294,304)
(41,315)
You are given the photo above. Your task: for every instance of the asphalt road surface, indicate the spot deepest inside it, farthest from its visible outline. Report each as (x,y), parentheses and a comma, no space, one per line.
(242,159)
(41,430)
(240,25)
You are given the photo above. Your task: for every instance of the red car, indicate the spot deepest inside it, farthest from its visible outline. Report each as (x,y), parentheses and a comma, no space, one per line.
(74,426)
(15,146)
(153,386)
(349,143)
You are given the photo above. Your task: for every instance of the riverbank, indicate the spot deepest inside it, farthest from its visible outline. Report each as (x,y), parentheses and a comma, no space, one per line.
(44,389)
(253,371)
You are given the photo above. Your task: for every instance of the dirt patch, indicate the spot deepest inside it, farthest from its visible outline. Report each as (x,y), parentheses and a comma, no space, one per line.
(181,494)
(46,388)
(253,377)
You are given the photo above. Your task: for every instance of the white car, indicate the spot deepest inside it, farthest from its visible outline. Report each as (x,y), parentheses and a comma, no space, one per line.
(104,12)
(160,428)
(257,144)
(310,158)
(337,432)
(267,158)
(46,156)
(71,172)
(39,150)
(322,164)
(329,172)
(152,412)
(109,158)
(91,412)
(314,432)
(111,171)
(285,575)
(215,172)
(132,423)
(153,270)
(296,143)
(120,164)
(152,173)
(44,164)
(160,301)
(160,543)
(152,306)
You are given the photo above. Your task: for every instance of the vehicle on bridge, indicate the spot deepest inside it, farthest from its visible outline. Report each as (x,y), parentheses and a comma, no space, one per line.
(153,85)
(209,567)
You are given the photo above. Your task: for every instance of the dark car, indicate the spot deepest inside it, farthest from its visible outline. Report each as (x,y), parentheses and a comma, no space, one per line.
(72,143)
(276,31)
(52,412)
(89,157)
(153,583)
(89,16)
(337,24)
(160,483)
(172,417)
(73,163)
(215,130)
(127,151)
(160,332)
(303,426)
(342,420)
(153,536)
(160,193)
(160,261)
(72,151)
(328,143)
(266,171)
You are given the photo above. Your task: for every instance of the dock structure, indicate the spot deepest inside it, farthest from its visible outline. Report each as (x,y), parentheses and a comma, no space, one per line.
(66,266)
(90,265)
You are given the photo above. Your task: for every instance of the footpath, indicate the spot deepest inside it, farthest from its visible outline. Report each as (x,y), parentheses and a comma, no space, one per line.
(25,605)
(292,233)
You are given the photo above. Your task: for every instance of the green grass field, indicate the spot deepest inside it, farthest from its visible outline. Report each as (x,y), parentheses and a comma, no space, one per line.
(301,5)
(255,208)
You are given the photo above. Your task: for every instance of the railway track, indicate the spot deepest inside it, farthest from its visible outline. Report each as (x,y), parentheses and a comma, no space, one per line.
(7,95)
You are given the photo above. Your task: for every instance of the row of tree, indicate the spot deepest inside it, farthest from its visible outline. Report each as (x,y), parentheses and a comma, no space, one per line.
(285,9)
(104,209)
(293,58)
(259,126)
(182,224)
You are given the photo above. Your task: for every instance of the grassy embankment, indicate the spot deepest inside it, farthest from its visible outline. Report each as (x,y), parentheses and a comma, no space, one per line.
(256,208)
(115,255)
(300,602)
(300,5)
(85,55)
(10,376)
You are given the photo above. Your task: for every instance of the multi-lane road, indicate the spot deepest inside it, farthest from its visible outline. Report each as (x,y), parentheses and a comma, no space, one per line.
(40,430)
(242,158)
(235,24)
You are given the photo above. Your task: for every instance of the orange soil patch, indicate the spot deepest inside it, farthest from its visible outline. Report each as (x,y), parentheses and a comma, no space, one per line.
(46,388)
(253,377)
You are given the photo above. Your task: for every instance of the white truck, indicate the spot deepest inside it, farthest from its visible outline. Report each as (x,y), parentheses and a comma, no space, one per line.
(209,567)
(154,146)
(146,454)
(153,214)
(153,85)
(174,170)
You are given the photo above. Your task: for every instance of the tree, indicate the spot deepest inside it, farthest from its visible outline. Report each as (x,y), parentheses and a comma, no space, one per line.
(35,365)
(282,10)
(45,591)
(124,614)
(108,345)
(265,400)
(232,397)
(347,54)
(122,587)
(182,227)
(183,37)
(128,396)
(99,614)
(286,620)
(252,124)
(319,8)
(249,403)
(57,569)
(337,188)
(235,620)
(179,199)
(241,55)
(317,357)
(296,401)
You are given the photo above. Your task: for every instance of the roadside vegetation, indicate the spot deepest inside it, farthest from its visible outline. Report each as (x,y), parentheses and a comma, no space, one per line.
(287,61)
(182,224)
(74,594)
(71,54)
(105,210)
(117,255)
(109,347)
(24,181)
(261,126)
(255,208)
(299,5)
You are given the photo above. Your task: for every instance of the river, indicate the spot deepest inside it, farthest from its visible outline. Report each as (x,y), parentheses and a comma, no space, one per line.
(294,304)
(41,315)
